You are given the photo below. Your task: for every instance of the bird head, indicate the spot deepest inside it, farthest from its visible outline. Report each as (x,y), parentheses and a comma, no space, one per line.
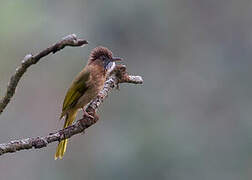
(104,57)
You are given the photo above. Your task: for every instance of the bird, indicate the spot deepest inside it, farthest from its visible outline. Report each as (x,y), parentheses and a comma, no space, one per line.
(85,87)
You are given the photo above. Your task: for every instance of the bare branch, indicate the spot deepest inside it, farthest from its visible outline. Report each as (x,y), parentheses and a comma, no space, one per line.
(119,75)
(70,40)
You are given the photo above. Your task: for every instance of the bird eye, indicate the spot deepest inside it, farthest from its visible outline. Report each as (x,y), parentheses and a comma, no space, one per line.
(104,58)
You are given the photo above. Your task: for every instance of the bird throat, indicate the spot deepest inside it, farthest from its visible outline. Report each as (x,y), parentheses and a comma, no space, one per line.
(110,67)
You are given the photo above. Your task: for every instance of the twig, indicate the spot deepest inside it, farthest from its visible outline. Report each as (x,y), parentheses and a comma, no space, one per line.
(119,75)
(70,40)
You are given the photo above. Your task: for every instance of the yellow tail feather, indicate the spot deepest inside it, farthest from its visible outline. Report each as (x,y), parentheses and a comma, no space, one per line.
(61,149)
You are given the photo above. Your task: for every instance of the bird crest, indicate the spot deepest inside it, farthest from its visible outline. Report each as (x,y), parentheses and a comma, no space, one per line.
(100,51)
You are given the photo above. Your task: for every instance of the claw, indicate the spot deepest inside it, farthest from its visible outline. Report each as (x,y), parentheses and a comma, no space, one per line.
(86,114)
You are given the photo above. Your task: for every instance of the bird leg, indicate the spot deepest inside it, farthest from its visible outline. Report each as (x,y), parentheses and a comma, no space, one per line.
(86,114)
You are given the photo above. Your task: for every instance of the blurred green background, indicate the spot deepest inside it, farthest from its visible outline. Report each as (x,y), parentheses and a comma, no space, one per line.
(190,120)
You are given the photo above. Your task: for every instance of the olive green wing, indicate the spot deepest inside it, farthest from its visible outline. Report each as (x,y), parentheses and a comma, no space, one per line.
(76,90)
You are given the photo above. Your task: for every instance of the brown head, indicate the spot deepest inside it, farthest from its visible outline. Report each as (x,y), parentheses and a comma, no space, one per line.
(103,57)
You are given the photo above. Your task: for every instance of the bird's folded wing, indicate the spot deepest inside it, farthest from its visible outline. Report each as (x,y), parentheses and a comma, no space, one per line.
(76,90)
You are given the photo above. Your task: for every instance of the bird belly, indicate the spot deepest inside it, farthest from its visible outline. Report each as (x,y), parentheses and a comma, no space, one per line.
(96,85)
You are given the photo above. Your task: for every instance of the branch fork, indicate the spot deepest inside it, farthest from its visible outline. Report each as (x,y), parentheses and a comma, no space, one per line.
(118,75)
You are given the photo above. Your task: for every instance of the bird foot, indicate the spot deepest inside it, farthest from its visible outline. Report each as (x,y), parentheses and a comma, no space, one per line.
(86,114)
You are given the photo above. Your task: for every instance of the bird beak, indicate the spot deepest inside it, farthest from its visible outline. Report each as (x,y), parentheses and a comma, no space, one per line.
(114,59)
